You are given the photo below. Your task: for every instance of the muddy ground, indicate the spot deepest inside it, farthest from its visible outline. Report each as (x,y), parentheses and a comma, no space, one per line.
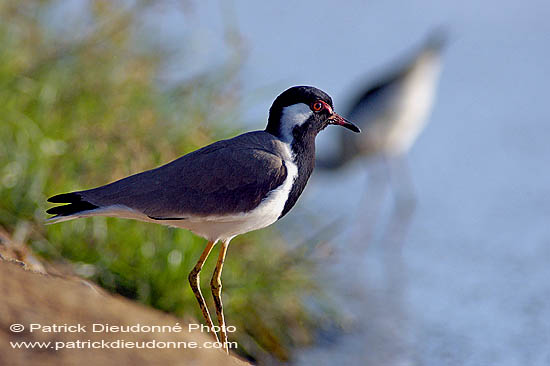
(30,298)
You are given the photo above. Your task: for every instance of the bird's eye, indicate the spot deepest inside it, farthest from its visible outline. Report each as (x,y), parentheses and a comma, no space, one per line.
(317,106)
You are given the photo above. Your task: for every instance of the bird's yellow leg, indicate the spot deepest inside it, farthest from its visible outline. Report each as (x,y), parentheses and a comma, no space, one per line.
(194,281)
(216,286)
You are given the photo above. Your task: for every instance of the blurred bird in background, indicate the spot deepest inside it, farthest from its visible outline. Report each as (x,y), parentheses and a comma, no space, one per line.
(392,110)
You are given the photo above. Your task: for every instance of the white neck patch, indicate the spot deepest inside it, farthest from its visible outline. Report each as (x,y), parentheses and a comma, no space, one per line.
(292,116)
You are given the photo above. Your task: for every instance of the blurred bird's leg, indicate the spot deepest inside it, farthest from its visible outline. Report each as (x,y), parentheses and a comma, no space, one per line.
(372,202)
(403,186)
(194,281)
(393,264)
(398,224)
(404,202)
(216,286)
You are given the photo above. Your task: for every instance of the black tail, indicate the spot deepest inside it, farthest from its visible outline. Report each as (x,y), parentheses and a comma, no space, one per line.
(75,204)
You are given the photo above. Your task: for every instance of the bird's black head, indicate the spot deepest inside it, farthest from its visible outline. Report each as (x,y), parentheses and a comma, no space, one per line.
(303,111)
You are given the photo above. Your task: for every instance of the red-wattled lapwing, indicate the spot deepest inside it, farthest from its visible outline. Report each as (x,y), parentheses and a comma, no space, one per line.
(224,189)
(392,110)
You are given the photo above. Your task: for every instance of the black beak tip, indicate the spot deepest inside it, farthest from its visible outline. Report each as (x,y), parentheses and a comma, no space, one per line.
(355,128)
(351,126)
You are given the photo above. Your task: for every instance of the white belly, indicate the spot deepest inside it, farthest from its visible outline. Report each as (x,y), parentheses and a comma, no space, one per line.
(412,113)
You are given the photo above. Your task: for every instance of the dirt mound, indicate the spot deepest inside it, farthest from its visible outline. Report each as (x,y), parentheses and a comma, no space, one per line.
(85,325)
